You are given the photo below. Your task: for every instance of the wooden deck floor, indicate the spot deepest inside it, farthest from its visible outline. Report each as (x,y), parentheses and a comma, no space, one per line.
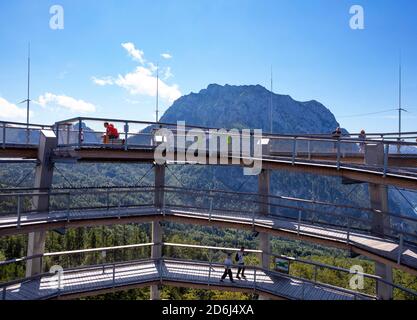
(89,280)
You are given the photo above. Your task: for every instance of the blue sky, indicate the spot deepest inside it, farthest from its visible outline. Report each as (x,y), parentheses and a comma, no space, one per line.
(101,63)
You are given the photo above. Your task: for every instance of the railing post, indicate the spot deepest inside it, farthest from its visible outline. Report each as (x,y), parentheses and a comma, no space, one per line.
(160,269)
(294,148)
(59,281)
(338,154)
(4,293)
(4,135)
(27,134)
(299,222)
(68,206)
(348,231)
(107,199)
(79,133)
(211,206)
(209,275)
(56,130)
(18,211)
(315,274)
(254,280)
(400,249)
(303,291)
(386,153)
(309,149)
(114,274)
(126,128)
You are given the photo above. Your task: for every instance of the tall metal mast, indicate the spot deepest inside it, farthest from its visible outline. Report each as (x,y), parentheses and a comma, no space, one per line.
(400,108)
(28,99)
(157,93)
(28,96)
(270,105)
(399,99)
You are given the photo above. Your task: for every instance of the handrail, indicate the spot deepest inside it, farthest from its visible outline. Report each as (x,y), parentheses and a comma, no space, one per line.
(194,262)
(241,199)
(181,245)
(205,127)
(325,224)
(311,137)
(308,201)
(279,274)
(25,124)
(206,193)
(376,134)
(207,247)
(314,137)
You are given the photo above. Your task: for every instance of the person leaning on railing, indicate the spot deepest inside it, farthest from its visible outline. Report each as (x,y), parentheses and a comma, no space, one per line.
(362,137)
(336,135)
(111,132)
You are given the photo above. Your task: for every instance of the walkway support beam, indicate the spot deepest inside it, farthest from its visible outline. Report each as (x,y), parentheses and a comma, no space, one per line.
(378,196)
(157,230)
(43,180)
(264,179)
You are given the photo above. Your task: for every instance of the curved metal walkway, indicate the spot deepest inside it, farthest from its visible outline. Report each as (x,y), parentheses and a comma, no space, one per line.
(317,154)
(121,276)
(399,256)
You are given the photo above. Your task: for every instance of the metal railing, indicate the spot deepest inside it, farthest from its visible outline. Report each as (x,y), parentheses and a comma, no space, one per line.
(211,264)
(76,132)
(20,134)
(352,220)
(341,152)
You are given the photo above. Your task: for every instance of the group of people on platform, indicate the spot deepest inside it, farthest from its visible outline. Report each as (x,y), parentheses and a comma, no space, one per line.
(228,263)
(336,134)
(112,134)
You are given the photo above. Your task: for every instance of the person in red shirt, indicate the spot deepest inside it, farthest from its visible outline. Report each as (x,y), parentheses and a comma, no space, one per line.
(111,132)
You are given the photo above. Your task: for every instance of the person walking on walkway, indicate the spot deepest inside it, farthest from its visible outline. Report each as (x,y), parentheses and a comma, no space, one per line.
(228,268)
(362,138)
(241,263)
(336,135)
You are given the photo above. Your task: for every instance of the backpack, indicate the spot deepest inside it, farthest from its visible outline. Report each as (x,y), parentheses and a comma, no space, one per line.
(237,257)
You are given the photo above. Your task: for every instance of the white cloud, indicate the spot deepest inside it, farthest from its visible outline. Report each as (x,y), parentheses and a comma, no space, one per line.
(130,101)
(152,67)
(136,54)
(103,81)
(166,56)
(142,80)
(167,73)
(11,112)
(65,102)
